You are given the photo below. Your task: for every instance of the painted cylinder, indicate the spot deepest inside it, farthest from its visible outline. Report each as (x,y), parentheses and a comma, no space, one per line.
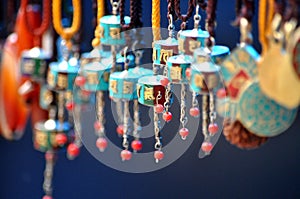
(123,84)
(150,90)
(34,64)
(45,132)
(218,54)
(61,75)
(177,66)
(110,30)
(163,49)
(190,40)
(96,75)
(204,77)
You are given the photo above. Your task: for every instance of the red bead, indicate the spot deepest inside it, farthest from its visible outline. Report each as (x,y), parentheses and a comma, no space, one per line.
(47,197)
(213,128)
(158,108)
(184,132)
(136,145)
(101,144)
(80,81)
(167,116)
(158,155)
(61,139)
(188,72)
(207,147)
(126,155)
(120,129)
(73,150)
(221,93)
(164,81)
(195,112)
(70,106)
(97,125)
(49,156)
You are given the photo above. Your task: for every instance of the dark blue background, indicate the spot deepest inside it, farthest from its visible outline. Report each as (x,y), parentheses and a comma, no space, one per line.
(272,171)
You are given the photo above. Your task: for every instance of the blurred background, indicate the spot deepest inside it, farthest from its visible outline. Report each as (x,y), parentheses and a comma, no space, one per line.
(271,171)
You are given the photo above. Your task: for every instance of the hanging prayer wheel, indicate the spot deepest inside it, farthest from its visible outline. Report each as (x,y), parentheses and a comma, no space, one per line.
(151,90)
(94,56)
(123,84)
(163,49)
(218,54)
(44,137)
(96,75)
(61,75)
(190,40)
(34,64)
(204,77)
(110,30)
(177,66)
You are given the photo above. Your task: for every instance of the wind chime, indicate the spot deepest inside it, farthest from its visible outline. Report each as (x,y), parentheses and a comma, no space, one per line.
(252,116)
(57,132)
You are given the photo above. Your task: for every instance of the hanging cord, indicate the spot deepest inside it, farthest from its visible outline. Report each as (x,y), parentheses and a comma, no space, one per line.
(210,22)
(266,13)
(66,33)
(38,32)
(292,10)
(156,19)
(184,17)
(100,13)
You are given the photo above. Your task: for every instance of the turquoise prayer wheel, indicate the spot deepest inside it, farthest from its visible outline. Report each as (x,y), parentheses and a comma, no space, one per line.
(122,85)
(163,49)
(151,91)
(45,132)
(97,75)
(110,30)
(61,75)
(177,66)
(190,40)
(34,64)
(262,115)
(218,54)
(205,77)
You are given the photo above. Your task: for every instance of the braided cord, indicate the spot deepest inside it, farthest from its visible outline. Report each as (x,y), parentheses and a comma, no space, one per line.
(184,17)
(66,33)
(156,19)
(211,21)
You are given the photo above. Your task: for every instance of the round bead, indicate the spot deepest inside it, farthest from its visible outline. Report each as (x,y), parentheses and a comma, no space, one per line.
(195,112)
(164,81)
(97,125)
(167,116)
(188,72)
(126,155)
(158,155)
(184,132)
(136,145)
(158,108)
(61,139)
(47,197)
(221,93)
(120,129)
(213,128)
(80,81)
(101,143)
(207,147)
(73,150)
(70,106)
